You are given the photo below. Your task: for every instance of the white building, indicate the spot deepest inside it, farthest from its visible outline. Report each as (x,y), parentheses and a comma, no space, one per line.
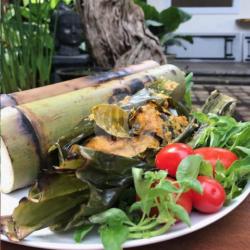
(219,33)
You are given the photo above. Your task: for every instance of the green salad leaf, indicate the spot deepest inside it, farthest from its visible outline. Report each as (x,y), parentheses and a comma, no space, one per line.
(224,132)
(157,193)
(189,84)
(113,231)
(234,178)
(245,150)
(81,232)
(113,236)
(188,171)
(180,213)
(189,168)
(111,217)
(206,169)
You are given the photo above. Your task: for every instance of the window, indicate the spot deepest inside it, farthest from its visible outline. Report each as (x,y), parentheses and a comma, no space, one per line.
(200,6)
(203,3)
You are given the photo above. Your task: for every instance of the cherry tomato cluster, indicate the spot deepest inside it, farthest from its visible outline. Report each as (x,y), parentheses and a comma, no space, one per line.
(213,196)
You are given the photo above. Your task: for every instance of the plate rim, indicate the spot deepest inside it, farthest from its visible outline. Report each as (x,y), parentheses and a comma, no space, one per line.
(140,242)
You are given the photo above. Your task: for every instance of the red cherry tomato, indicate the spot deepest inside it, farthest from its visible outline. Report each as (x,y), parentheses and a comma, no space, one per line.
(212,198)
(170,157)
(213,154)
(185,200)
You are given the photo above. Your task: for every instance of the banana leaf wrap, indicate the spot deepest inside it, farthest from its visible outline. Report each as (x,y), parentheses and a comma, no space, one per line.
(64,198)
(114,119)
(108,175)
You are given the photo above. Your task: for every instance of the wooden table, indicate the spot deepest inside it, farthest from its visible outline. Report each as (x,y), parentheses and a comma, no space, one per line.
(231,232)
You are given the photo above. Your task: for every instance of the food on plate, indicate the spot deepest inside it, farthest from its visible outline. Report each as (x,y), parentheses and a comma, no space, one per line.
(127,149)
(171,155)
(149,124)
(214,154)
(222,131)
(29,130)
(212,198)
(185,201)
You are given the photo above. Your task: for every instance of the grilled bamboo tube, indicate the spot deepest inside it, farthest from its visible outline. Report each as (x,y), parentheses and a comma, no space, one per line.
(29,130)
(35,94)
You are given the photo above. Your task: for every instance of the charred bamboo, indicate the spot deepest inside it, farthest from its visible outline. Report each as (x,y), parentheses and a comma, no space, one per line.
(31,95)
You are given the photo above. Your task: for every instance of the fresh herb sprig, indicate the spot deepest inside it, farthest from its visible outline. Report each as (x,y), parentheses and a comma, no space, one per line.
(223,132)
(234,178)
(226,132)
(188,93)
(156,192)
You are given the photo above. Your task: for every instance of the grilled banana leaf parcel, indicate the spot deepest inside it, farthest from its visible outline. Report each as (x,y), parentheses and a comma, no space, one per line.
(147,120)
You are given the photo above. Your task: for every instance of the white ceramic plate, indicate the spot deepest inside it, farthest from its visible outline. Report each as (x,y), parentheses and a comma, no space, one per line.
(48,240)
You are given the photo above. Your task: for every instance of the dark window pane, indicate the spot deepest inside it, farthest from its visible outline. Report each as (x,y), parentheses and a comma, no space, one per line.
(202,3)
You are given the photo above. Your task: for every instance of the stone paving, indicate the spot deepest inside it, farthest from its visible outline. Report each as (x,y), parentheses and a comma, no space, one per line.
(240,92)
(230,78)
(217,72)
(214,68)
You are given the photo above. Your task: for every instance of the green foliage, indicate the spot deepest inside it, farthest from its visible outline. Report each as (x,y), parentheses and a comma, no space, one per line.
(81,232)
(234,178)
(113,232)
(164,23)
(206,169)
(54,3)
(188,171)
(27,45)
(224,132)
(189,168)
(172,17)
(113,236)
(155,192)
(188,94)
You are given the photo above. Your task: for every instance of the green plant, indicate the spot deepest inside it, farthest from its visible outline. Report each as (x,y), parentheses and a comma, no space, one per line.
(54,3)
(27,45)
(164,23)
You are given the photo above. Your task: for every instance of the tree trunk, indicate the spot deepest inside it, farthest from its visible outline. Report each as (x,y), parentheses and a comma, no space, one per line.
(116,34)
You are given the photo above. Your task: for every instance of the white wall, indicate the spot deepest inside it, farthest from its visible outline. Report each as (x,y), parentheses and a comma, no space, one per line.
(210,28)
(211,23)
(217,23)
